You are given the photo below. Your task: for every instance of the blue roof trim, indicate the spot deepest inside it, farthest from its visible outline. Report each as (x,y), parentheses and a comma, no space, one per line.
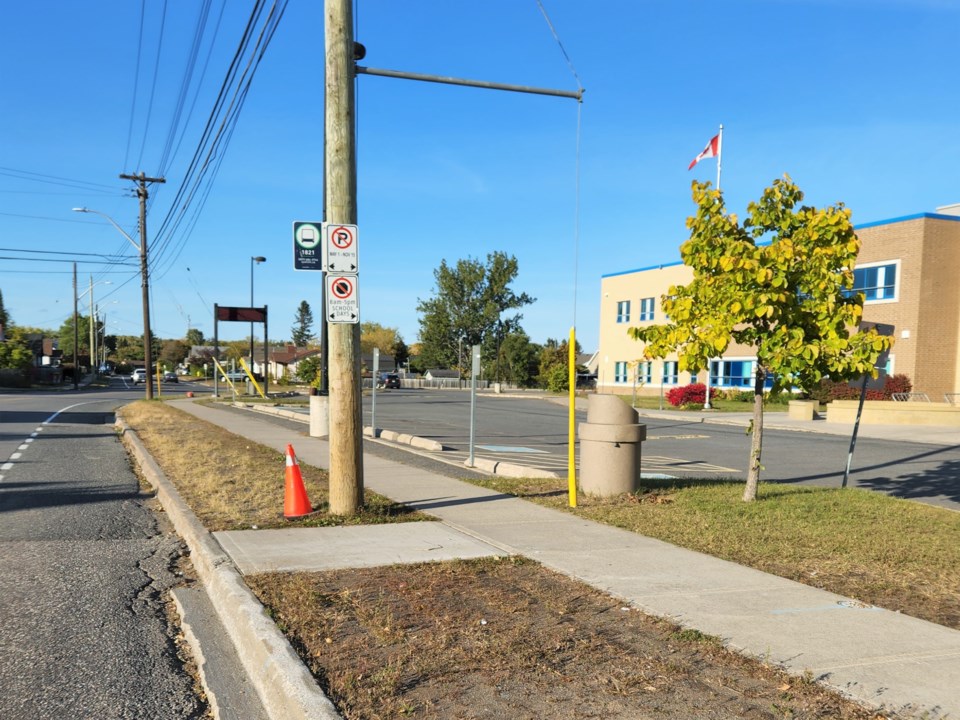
(643,269)
(905,218)
(864,226)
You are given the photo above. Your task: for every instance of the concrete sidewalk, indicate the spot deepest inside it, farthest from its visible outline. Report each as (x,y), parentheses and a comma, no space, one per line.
(881,658)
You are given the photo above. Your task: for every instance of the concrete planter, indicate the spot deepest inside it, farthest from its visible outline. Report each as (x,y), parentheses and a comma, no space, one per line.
(802,409)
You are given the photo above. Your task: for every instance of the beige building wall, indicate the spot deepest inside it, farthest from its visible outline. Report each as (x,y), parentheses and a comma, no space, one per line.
(925,311)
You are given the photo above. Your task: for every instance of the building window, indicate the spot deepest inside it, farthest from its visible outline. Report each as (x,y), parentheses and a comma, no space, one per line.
(735,374)
(646,309)
(876,282)
(644,371)
(620,372)
(731,373)
(670,374)
(623,311)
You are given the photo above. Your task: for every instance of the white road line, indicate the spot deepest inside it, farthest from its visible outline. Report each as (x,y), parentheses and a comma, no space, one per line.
(6,466)
(69,407)
(23,447)
(16,456)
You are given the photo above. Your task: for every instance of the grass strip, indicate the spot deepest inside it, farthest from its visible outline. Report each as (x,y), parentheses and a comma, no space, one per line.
(232,483)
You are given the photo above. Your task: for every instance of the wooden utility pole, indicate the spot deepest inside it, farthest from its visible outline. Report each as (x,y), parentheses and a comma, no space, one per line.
(142,181)
(340,184)
(76,365)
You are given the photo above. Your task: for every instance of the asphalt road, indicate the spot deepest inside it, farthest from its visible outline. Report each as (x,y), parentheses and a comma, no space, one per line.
(534,432)
(85,564)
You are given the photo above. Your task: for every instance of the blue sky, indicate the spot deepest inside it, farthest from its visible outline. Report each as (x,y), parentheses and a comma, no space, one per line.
(855,99)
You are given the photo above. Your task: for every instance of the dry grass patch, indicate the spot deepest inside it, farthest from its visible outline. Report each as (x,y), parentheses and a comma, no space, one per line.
(887,552)
(505,638)
(232,483)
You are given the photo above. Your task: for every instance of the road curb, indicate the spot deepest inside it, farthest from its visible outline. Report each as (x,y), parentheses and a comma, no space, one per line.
(494,467)
(285,686)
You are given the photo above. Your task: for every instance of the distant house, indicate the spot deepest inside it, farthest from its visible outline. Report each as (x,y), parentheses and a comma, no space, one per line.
(387,363)
(285,361)
(590,361)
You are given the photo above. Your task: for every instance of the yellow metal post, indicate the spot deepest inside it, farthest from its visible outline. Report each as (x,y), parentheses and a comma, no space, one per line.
(249,372)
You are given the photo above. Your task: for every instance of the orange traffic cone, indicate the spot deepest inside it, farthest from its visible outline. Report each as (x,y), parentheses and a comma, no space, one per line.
(295,501)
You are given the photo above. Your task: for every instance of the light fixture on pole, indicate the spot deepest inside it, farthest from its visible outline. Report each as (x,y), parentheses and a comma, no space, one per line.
(141,247)
(255,260)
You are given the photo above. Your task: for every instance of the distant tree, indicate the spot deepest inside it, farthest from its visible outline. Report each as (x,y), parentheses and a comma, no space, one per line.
(374,335)
(781,283)
(15,353)
(401,353)
(173,353)
(194,337)
(468,308)
(302,330)
(235,349)
(554,365)
(66,336)
(519,359)
(308,369)
(128,348)
(4,316)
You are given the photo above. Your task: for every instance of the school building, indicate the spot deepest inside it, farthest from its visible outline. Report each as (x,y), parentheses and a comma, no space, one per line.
(908,270)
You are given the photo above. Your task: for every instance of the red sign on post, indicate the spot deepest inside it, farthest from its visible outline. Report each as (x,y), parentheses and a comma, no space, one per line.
(241,314)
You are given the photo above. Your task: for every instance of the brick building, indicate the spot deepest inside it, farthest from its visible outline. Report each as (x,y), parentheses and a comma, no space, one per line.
(908,270)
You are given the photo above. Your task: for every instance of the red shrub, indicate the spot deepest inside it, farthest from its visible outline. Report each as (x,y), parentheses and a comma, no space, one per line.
(695,394)
(896,384)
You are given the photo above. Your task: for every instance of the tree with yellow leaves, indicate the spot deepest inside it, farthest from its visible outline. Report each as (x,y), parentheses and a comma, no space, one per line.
(780,282)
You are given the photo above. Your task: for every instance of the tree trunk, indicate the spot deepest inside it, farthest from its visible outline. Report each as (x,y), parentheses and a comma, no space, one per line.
(756,442)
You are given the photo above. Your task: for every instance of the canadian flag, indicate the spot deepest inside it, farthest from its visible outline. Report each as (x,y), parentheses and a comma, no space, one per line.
(711,150)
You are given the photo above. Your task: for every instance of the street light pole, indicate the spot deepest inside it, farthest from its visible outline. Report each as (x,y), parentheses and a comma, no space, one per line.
(93,339)
(76,376)
(258,259)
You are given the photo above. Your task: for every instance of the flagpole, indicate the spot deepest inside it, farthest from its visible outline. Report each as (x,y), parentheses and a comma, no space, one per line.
(719,156)
(706,400)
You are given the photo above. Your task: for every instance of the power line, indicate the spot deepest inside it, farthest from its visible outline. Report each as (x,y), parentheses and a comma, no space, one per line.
(56,252)
(87,262)
(213,144)
(136,82)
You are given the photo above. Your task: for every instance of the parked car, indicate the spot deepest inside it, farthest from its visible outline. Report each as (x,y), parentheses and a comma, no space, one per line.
(170,377)
(138,376)
(389,380)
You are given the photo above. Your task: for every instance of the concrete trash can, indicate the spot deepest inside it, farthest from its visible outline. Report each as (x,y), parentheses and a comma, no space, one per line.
(610,443)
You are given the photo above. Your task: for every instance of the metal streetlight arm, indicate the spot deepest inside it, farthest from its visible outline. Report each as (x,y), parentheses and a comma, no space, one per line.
(109,219)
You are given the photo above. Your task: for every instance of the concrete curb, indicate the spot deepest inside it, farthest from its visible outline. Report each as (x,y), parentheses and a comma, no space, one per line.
(494,467)
(269,410)
(404,439)
(285,686)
